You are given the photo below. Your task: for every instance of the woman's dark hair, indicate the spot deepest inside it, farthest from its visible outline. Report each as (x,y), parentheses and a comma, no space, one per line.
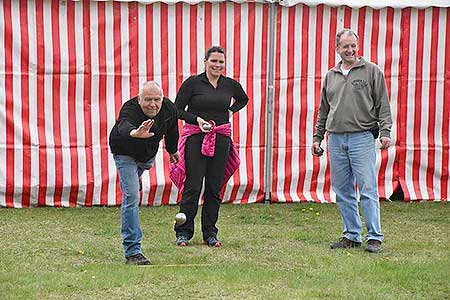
(214,49)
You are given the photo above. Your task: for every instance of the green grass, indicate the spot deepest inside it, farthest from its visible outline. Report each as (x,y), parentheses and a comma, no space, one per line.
(270,252)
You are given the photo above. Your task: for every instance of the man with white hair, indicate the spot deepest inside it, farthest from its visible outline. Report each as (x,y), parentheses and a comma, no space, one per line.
(134,141)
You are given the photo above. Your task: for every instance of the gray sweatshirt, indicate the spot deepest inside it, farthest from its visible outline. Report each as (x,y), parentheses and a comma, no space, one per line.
(353,103)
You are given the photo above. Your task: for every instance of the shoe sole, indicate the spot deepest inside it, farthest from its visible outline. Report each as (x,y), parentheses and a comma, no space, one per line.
(216,245)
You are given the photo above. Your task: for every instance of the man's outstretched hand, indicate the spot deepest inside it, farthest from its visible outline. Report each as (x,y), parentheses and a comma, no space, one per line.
(143,132)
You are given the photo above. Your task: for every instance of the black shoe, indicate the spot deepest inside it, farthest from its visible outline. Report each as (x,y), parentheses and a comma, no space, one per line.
(182,241)
(137,259)
(374,246)
(345,243)
(212,241)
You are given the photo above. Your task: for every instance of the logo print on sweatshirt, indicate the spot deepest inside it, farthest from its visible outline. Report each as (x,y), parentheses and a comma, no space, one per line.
(359,84)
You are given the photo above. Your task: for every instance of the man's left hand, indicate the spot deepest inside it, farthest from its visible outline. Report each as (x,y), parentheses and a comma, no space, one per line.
(385,142)
(175,157)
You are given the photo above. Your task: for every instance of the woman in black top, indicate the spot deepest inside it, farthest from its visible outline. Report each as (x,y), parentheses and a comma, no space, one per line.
(207,97)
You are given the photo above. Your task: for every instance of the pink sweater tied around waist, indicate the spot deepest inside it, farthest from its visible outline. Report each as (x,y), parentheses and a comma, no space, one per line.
(177,172)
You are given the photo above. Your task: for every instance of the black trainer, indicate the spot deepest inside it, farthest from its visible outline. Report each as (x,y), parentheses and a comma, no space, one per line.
(374,246)
(212,241)
(345,243)
(137,259)
(182,241)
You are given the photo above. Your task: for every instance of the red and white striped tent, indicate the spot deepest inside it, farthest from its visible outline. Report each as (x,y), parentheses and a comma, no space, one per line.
(67,67)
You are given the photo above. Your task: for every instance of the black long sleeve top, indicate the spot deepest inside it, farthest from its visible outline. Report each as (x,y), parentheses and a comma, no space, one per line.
(204,100)
(131,117)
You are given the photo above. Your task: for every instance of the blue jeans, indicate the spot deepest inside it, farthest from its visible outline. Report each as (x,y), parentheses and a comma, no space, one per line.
(353,160)
(129,172)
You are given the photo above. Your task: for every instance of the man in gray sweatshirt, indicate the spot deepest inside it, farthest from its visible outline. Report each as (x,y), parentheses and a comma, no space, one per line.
(354,109)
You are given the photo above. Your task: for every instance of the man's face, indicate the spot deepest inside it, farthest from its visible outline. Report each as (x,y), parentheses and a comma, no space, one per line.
(348,48)
(150,100)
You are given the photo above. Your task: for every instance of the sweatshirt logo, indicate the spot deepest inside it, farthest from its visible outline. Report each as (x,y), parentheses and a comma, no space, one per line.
(359,84)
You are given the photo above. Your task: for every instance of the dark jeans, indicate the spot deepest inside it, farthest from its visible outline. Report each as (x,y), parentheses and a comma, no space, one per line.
(198,167)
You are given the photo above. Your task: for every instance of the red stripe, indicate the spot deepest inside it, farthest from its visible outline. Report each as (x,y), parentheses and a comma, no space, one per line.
(331,63)
(432,104)
(276,107)
(223,25)
(149,40)
(165,86)
(40,99)
(361,29)
(317,91)
(418,104)
(374,38)
(179,43)
(289,104)
(388,75)
(72,104)
(347,16)
(446,115)
(9,104)
(118,95)
(150,76)
(208,25)
(250,105)
(87,87)
(304,103)
(133,29)
(236,75)
(56,110)
(103,121)
(402,109)
(25,103)
(262,133)
(193,38)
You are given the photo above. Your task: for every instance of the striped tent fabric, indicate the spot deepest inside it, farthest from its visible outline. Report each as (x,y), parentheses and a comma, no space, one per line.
(67,67)
(412,48)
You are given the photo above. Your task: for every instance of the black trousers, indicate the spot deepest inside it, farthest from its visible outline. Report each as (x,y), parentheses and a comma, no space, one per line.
(198,167)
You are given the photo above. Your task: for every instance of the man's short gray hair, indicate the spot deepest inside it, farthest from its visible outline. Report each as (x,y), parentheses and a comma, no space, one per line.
(151,82)
(345,31)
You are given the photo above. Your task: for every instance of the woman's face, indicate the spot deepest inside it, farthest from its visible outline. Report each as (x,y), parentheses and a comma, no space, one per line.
(215,64)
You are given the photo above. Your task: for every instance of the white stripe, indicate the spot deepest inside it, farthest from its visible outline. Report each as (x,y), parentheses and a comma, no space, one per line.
(257,102)
(17,111)
(48,103)
(354,19)
(79,113)
(34,135)
(425,105)
(63,102)
(410,102)
(296,104)
(186,42)
(200,36)
(172,55)
(96,153)
(439,101)
(124,35)
(215,25)
(368,33)
(110,96)
(280,164)
(309,109)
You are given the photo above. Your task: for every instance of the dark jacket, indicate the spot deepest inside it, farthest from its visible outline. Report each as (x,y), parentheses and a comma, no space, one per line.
(131,117)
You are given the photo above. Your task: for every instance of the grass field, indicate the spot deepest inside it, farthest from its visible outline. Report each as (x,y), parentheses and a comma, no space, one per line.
(270,252)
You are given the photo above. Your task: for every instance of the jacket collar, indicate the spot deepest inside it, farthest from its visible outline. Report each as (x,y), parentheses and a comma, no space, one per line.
(360,63)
